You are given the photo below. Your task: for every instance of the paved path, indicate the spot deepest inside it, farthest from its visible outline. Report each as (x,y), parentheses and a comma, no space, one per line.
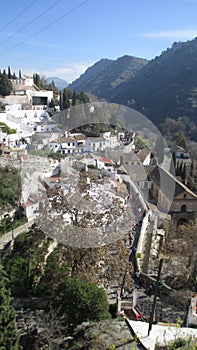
(161,335)
(9,236)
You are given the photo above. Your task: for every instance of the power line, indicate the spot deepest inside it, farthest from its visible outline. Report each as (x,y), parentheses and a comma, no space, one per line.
(46,27)
(32,21)
(13,19)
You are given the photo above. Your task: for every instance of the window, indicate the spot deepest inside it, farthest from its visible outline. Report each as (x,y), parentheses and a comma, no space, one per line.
(183,208)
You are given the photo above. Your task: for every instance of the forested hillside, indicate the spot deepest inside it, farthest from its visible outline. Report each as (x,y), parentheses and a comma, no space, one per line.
(166,86)
(105,75)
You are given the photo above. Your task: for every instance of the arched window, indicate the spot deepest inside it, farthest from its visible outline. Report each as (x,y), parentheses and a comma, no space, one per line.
(183,208)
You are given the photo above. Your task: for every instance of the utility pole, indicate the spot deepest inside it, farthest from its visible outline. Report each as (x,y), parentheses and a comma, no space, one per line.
(155,297)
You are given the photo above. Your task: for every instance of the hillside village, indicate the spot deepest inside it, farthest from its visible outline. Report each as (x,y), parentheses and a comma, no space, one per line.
(80,196)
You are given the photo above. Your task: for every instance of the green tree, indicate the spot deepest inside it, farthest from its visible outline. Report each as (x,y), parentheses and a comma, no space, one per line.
(53,87)
(191,172)
(52,103)
(173,163)
(70,97)
(8,130)
(174,158)
(56,270)
(82,98)
(18,270)
(39,81)
(9,337)
(5,84)
(66,98)
(180,170)
(9,73)
(24,265)
(74,99)
(184,174)
(81,301)
(9,187)
(180,140)
(61,101)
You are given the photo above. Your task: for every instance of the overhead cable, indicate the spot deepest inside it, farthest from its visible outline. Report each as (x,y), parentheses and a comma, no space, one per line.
(30,22)
(13,19)
(45,27)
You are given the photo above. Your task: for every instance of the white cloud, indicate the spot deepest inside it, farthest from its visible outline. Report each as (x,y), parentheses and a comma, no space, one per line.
(172,34)
(69,72)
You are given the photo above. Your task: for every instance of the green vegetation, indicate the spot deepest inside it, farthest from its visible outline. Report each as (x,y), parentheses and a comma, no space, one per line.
(181,258)
(47,153)
(56,155)
(94,129)
(24,265)
(178,131)
(31,275)
(81,301)
(105,75)
(8,130)
(7,224)
(139,143)
(69,98)
(184,343)
(165,87)
(91,166)
(5,84)
(9,187)
(42,84)
(9,337)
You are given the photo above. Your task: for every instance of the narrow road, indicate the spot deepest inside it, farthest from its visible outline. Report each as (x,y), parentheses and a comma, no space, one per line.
(9,236)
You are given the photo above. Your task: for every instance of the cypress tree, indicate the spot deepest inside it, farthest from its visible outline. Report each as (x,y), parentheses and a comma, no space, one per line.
(180,173)
(74,99)
(5,84)
(9,73)
(191,173)
(177,168)
(174,158)
(9,337)
(184,175)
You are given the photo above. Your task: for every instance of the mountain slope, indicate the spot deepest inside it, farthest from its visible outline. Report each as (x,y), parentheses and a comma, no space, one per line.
(105,75)
(59,83)
(166,86)
(84,82)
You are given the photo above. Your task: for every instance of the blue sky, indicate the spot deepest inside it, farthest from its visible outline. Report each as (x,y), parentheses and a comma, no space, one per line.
(62,38)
